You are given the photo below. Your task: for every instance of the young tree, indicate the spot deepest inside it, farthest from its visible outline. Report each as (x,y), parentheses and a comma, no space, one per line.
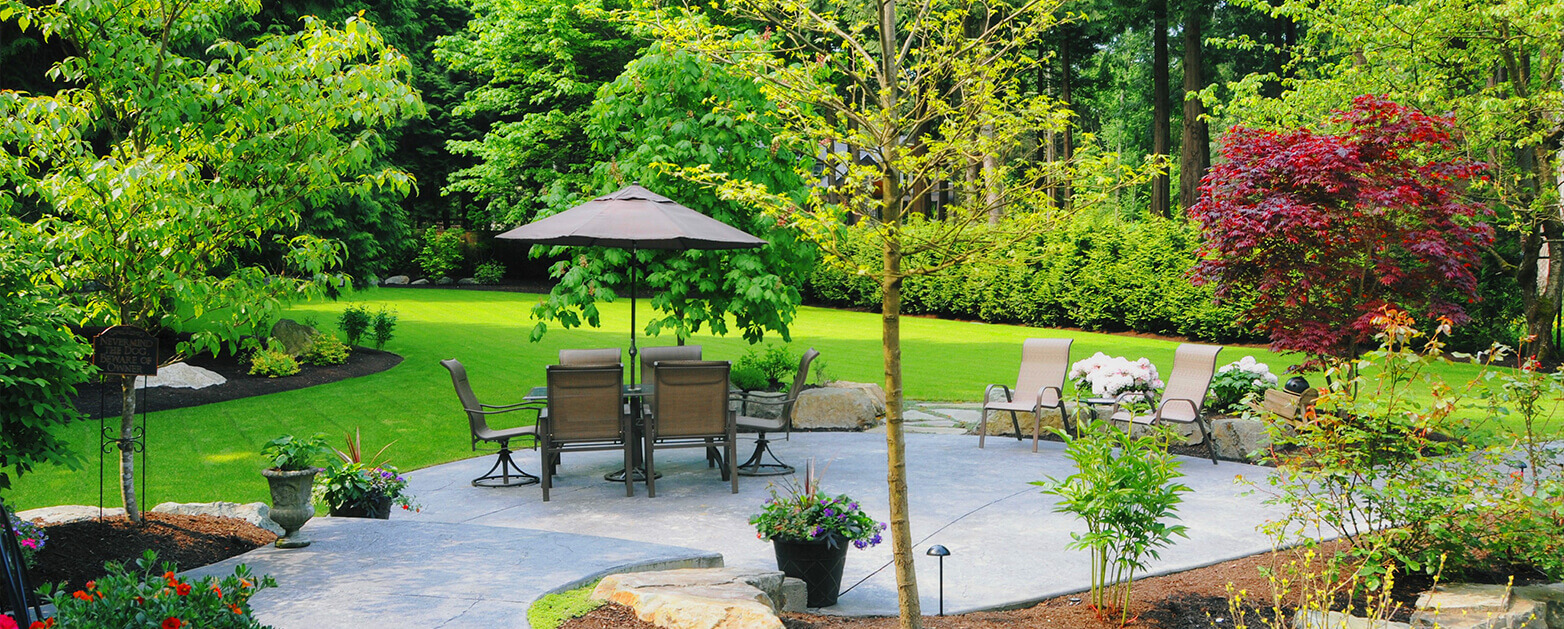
(1323,230)
(170,154)
(899,98)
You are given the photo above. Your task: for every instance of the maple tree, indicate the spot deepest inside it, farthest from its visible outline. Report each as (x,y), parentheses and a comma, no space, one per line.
(1325,229)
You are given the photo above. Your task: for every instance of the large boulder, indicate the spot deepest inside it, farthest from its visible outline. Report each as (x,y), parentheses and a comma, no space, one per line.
(467,281)
(181,376)
(760,404)
(704,598)
(1471,606)
(296,338)
(999,423)
(397,280)
(419,282)
(875,391)
(65,514)
(836,408)
(1237,438)
(255,513)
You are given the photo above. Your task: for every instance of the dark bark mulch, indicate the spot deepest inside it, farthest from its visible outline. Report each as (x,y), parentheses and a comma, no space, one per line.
(76,551)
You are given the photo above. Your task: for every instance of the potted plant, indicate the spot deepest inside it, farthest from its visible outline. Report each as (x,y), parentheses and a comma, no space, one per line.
(810,531)
(291,475)
(354,488)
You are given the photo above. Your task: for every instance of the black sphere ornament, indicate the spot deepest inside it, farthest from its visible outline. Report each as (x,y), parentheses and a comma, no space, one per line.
(1296,385)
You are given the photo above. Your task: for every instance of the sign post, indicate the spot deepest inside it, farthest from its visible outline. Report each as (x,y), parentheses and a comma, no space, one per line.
(124,350)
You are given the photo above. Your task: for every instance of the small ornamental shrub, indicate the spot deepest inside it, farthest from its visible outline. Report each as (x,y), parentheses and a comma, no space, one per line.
(1235,382)
(273,362)
(360,485)
(152,596)
(383,324)
(354,322)
(442,252)
(769,370)
(490,272)
(31,537)
(805,513)
(326,350)
(1109,376)
(292,454)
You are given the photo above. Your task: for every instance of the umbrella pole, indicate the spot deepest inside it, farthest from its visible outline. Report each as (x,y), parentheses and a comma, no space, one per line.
(632,315)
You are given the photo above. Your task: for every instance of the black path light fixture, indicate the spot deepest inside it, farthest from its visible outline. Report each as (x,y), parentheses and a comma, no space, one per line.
(941,552)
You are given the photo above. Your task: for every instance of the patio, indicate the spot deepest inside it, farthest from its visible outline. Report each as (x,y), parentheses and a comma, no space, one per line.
(1007,544)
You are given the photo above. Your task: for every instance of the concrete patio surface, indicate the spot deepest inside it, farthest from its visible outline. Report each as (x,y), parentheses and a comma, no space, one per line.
(1007,544)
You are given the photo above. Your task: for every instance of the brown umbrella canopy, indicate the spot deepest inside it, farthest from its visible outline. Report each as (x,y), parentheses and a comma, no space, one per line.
(633,218)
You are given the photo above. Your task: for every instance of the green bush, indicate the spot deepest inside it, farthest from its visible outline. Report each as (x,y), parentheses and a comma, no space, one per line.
(354,322)
(769,370)
(273,362)
(383,324)
(291,454)
(490,272)
(326,350)
(154,596)
(442,252)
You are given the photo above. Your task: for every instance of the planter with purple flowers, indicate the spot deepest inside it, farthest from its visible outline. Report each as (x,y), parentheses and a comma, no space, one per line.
(810,531)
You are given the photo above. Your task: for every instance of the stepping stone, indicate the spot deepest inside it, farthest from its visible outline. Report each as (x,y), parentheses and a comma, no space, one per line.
(916,415)
(705,598)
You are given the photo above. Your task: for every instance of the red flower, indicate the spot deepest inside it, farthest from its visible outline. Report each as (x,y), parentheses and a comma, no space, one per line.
(235,609)
(41,624)
(172,623)
(7,622)
(92,585)
(82,596)
(140,600)
(218,590)
(182,589)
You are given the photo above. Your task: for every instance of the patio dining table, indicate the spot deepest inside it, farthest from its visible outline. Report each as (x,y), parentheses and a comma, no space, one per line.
(632,394)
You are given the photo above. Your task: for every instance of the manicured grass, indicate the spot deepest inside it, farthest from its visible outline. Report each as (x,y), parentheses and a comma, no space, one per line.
(210,452)
(554,610)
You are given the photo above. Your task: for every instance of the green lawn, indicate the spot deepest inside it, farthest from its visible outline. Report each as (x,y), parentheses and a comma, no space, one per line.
(211,452)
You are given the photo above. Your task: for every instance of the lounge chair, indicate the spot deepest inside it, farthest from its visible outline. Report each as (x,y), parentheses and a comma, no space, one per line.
(1039,385)
(1184,397)
(505,473)
(690,410)
(584,414)
(756,465)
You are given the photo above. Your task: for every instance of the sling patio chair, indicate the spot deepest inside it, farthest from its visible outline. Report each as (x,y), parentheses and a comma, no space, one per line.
(1184,396)
(756,465)
(584,414)
(605,357)
(505,473)
(691,410)
(1039,385)
(650,356)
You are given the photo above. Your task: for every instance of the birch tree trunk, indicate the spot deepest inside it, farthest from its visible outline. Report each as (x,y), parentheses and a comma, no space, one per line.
(127,454)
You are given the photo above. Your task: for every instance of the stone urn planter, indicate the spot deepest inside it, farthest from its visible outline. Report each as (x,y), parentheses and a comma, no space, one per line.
(818,563)
(378,508)
(291,503)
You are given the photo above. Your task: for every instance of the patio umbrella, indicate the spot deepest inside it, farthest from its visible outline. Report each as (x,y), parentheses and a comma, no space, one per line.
(633,218)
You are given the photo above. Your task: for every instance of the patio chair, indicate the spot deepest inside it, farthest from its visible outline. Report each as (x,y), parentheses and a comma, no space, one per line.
(584,414)
(505,473)
(756,465)
(605,357)
(1184,396)
(650,356)
(1039,385)
(691,410)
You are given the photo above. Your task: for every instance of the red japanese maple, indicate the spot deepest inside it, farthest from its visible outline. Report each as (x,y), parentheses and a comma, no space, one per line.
(1321,230)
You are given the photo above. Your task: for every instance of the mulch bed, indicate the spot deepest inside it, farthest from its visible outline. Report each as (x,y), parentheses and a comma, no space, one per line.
(76,551)
(98,399)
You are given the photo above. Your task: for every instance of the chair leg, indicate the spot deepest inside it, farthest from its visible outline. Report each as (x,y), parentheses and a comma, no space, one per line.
(548,470)
(651,470)
(756,465)
(510,475)
(1205,433)
(1014,421)
(732,463)
(982,427)
(1037,429)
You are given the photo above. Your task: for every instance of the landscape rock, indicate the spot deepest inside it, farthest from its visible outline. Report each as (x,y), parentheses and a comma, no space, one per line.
(64,514)
(467,281)
(397,280)
(875,391)
(296,338)
(1474,606)
(1551,596)
(181,376)
(1237,438)
(255,513)
(1314,619)
(836,408)
(759,405)
(699,598)
(999,423)
(419,282)
(443,281)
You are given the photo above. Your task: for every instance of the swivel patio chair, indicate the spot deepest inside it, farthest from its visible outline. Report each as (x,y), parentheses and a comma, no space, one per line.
(691,410)
(505,473)
(1184,396)
(757,465)
(1039,385)
(650,356)
(605,357)
(584,414)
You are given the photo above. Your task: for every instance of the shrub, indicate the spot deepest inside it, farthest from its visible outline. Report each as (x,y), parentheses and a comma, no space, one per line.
(1125,491)
(354,322)
(769,370)
(326,349)
(273,362)
(383,324)
(1235,382)
(153,596)
(442,252)
(30,537)
(490,272)
(357,484)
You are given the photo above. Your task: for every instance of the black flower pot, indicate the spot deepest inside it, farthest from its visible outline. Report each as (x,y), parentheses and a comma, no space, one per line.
(818,563)
(377,508)
(1296,385)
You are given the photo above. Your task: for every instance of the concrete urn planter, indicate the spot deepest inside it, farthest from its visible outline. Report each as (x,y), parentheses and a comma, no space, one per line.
(291,503)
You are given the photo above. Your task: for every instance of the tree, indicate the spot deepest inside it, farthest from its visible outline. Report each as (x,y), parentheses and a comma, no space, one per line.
(1324,230)
(1493,65)
(170,155)
(1161,107)
(1195,149)
(917,97)
(41,360)
(671,107)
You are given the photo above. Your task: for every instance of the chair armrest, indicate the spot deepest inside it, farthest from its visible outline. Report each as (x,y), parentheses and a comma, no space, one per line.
(1057,391)
(1118,400)
(989,392)
(745,399)
(1193,407)
(516,405)
(506,409)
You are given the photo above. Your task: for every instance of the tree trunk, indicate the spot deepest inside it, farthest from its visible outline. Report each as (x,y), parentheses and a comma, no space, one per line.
(127,453)
(1161,124)
(1067,152)
(1195,151)
(991,181)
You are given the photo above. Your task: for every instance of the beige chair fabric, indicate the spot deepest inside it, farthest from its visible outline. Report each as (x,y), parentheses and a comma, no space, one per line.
(589,357)
(649,358)
(1039,385)
(1184,397)
(584,413)
(691,411)
(756,466)
(505,473)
